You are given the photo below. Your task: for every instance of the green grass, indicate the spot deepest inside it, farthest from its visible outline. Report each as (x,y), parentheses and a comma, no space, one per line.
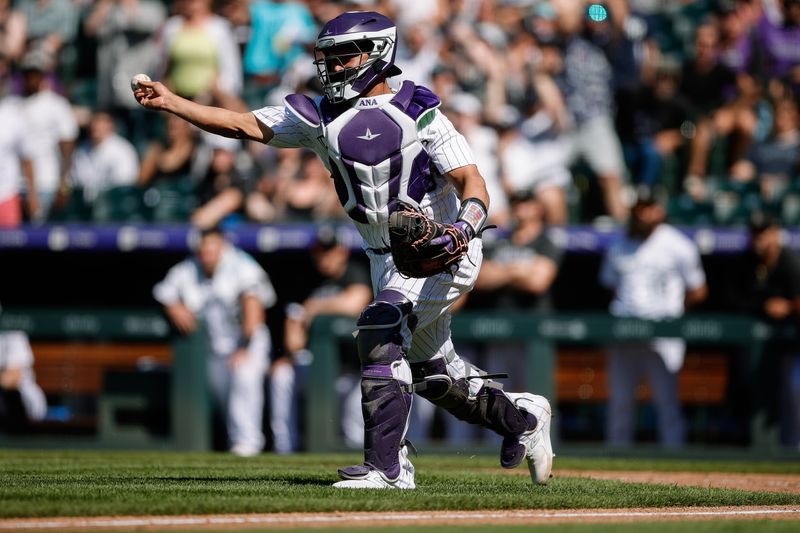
(96,483)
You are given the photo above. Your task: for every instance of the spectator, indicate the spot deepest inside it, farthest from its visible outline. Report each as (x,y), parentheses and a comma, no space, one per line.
(16,154)
(52,123)
(309,195)
(226,183)
(104,161)
(124,30)
(775,297)
(49,24)
(173,159)
(12,31)
(654,272)
(517,274)
(344,289)
(778,55)
(21,400)
(229,291)
(586,82)
(535,156)
(776,160)
(199,54)
(465,112)
(710,88)
(653,132)
(280,31)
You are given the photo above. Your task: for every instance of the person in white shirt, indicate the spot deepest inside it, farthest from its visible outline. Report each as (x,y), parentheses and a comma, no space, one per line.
(15,163)
(21,399)
(655,273)
(105,161)
(52,123)
(229,291)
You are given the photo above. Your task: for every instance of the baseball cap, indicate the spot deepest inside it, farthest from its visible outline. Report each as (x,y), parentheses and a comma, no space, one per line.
(327,237)
(521,195)
(761,221)
(36,60)
(465,104)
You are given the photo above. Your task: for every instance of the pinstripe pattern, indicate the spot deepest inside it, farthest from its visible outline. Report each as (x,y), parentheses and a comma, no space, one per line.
(432,297)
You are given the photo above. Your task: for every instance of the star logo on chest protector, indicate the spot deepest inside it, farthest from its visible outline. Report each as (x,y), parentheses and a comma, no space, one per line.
(369,135)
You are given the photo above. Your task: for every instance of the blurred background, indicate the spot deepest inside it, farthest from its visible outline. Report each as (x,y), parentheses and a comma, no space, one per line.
(572,108)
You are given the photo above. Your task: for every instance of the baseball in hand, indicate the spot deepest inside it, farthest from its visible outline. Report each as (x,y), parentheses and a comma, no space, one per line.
(136,79)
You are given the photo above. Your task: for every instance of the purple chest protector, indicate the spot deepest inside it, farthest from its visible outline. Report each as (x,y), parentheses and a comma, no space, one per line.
(374,154)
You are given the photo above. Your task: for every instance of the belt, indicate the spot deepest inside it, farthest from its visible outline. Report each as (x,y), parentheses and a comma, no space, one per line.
(380,251)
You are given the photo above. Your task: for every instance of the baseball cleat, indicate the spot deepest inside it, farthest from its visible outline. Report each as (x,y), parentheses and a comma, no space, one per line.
(364,477)
(538,448)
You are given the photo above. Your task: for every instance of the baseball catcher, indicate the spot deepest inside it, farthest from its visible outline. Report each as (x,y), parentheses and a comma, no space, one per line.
(409,182)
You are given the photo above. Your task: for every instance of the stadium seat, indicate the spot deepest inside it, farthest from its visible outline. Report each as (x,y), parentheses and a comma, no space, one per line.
(119,204)
(170,201)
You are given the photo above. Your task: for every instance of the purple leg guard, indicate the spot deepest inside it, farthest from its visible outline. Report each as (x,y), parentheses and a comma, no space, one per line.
(490,407)
(385,380)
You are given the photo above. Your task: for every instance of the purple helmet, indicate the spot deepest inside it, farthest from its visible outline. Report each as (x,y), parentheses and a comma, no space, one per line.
(352,34)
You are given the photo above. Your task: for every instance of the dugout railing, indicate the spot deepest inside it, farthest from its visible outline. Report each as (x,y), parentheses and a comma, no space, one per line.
(189,402)
(75,335)
(541,334)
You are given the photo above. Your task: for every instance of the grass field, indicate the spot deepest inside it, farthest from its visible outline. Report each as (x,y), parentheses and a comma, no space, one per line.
(92,483)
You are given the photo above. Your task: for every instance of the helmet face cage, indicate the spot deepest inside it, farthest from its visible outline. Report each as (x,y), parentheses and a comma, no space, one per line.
(351,82)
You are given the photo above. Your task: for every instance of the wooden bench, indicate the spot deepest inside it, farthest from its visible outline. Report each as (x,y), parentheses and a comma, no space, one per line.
(70,371)
(582,377)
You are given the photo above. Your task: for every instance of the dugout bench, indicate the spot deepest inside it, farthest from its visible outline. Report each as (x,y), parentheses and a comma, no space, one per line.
(135,367)
(540,334)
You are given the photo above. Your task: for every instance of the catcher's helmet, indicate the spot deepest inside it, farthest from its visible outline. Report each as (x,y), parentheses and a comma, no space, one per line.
(350,34)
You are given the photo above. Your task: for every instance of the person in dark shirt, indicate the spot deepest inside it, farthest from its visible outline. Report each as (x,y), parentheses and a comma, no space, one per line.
(343,290)
(710,87)
(775,297)
(517,274)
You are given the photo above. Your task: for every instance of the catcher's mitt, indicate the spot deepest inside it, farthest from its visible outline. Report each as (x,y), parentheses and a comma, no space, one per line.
(422,247)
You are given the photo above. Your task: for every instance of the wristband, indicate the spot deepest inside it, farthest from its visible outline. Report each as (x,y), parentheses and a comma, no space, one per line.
(473,213)
(244,342)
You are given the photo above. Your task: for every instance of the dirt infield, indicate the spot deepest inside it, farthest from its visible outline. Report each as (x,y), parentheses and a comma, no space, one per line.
(750,482)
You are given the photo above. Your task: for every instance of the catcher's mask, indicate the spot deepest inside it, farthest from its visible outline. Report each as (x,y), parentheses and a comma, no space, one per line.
(364,34)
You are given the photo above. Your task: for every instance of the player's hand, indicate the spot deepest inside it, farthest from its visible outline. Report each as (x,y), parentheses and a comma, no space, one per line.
(152,94)
(238,359)
(182,318)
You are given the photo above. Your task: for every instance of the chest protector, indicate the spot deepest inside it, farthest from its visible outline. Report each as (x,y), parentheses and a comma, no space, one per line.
(373,152)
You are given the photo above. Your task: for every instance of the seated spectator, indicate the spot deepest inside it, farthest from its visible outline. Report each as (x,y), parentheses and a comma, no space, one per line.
(710,88)
(653,132)
(776,160)
(21,400)
(173,158)
(309,195)
(344,289)
(52,123)
(225,184)
(104,160)
(199,54)
(227,289)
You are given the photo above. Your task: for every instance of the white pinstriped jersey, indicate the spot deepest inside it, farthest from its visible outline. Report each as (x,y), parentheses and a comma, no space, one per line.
(446,147)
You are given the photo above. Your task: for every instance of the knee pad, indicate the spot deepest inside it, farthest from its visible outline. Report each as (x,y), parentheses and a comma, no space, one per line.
(381,326)
(490,407)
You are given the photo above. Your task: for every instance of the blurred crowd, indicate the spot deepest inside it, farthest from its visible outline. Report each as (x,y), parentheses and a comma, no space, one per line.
(577,102)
